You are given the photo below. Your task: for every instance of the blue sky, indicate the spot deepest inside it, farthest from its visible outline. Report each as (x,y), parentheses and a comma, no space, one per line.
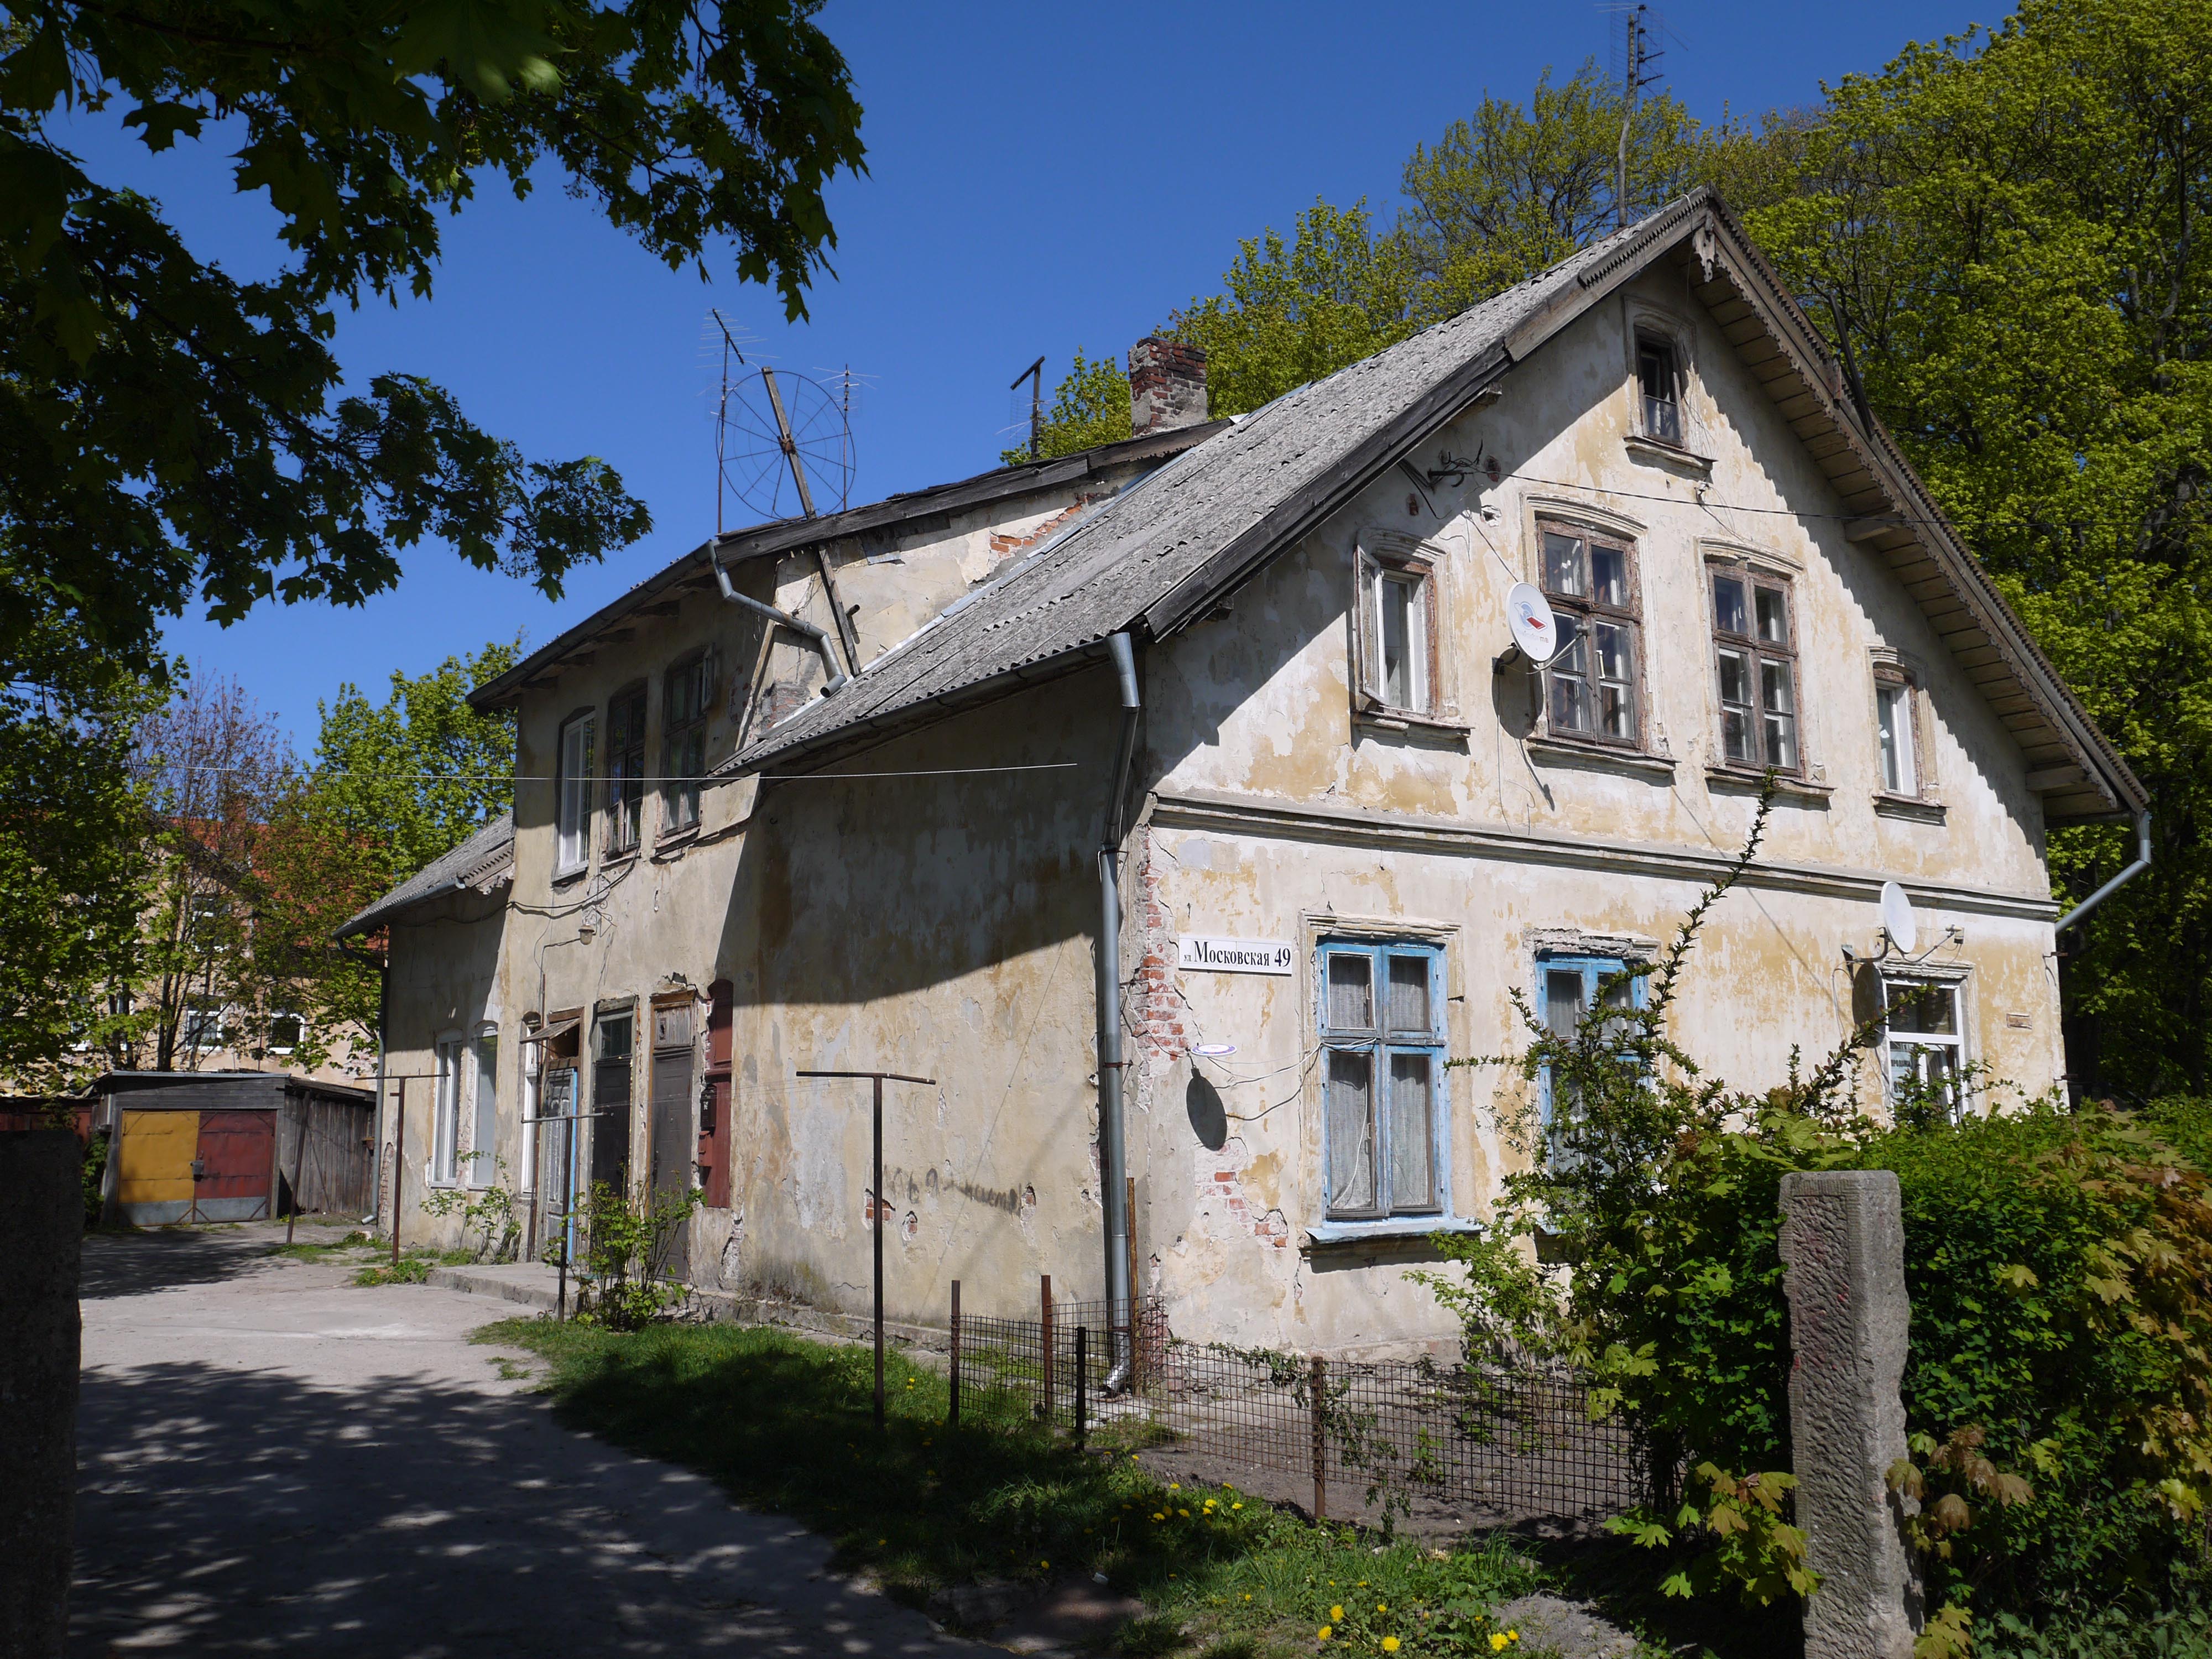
(1041,177)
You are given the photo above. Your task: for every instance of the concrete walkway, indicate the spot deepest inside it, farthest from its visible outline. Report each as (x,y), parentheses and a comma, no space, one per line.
(273,1462)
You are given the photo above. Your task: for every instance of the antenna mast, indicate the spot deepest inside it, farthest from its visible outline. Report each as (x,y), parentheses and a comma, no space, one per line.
(1035,375)
(1640,56)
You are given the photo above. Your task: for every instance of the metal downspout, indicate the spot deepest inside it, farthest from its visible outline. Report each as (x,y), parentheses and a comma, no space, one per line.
(821,639)
(1113,1150)
(2141,864)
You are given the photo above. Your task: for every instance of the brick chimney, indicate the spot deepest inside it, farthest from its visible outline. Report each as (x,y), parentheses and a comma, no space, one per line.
(1167,386)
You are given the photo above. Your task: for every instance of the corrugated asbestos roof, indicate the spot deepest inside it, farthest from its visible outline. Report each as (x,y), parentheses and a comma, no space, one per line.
(1167,548)
(482,862)
(1103,573)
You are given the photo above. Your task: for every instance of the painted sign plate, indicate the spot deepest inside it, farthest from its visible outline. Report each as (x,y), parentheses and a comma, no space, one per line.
(1233,956)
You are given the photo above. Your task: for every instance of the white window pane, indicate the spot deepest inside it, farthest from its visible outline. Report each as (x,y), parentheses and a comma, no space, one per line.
(1778,713)
(484,1167)
(1394,605)
(1736,705)
(1351,1131)
(1351,992)
(1409,994)
(1411,1138)
(1616,675)
(1773,615)
(1930,1009)
(1563,1000)
(1729,616)
(1894,708)
(1564,571)
(1608,575)
(1571,692)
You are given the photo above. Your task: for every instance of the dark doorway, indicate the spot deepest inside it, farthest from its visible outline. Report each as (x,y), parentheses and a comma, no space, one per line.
(612,1047)
(674,1137)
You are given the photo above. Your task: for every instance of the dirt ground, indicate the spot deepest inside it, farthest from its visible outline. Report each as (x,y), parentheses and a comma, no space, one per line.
(273,1460)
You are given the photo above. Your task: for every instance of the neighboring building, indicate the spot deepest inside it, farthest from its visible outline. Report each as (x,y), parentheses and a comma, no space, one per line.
(1346,824)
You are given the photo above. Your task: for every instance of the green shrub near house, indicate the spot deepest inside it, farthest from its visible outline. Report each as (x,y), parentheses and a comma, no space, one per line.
(2059,1387)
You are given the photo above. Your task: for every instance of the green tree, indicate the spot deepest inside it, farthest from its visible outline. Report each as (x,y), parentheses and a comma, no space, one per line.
(1296,311)
(72,865)
(165,427)
(1515,189)
(1090,407)
(393,785)
(2003,236)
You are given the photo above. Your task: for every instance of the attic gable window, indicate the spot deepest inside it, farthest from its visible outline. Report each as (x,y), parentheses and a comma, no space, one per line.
(625,770)
(1591,683)
(1755,666)
(1897,730)
(1659,384)
(573,829)
(1396,635)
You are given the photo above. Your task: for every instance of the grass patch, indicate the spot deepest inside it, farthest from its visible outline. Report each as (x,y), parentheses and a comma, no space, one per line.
(784,1423)
(348,1249)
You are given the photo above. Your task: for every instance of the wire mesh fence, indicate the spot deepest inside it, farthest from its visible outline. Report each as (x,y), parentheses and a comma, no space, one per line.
(1506,1436)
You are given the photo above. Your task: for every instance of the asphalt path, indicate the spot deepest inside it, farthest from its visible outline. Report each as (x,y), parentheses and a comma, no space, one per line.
(273,1460)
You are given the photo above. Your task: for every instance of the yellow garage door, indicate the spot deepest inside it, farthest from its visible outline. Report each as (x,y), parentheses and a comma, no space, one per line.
(154,1163)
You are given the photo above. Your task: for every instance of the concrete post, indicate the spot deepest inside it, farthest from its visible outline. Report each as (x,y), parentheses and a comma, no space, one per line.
(41,1237)
(1843,1246)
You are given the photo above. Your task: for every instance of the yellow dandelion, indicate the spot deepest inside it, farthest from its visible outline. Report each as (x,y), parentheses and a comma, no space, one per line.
(1336,1615)
(1175,1485)
(1497,1645)
(1389,1644)
(1044,1564)
(1322,1634)
(1247,1596)
(1235,1506)
(1380,1607)
(1157,1516)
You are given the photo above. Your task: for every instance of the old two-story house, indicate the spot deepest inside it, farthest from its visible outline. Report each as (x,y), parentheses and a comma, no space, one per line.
(1179,809)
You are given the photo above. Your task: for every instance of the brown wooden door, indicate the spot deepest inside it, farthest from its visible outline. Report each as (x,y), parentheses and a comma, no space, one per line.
(675,1130)
(236,1160)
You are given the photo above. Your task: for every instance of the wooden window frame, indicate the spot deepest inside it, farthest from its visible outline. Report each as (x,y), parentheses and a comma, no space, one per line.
(1594,974)
(565,866)
(1583,608)
(1381,1044)
(683,742)
(625,831)
(1894,676)
(1380,560)
(1757,651)
(1650,340)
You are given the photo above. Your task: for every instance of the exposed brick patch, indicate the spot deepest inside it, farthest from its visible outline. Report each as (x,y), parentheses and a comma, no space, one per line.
(1225,1189)
(1001,545)
(1157,1020)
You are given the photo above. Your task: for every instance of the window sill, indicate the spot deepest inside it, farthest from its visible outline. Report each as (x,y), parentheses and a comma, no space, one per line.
(1384,719)
(1393,1230)
(569,878)
(1912,807)
(1734,781)
(675,840)
(1667,454)
(617,861)
(1565,751)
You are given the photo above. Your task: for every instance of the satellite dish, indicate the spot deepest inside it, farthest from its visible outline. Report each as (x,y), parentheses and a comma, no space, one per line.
(1898,920)
(1535,629)
(1215,1049)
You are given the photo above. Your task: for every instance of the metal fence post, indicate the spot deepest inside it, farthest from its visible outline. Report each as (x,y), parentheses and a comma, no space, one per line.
(1044,1329)
(1129,1313)
(952,1416)
(1082,1377)
(1319,1437)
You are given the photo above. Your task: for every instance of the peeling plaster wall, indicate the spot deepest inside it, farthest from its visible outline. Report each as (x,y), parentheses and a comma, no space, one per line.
(1279,813)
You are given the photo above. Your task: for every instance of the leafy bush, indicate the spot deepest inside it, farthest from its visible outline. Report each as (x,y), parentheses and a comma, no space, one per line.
(491,1214)
(620,1278)
(2058,1389)
(96,1173)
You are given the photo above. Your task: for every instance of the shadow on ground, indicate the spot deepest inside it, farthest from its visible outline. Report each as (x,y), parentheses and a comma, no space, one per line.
(225,1511)
(162,1258)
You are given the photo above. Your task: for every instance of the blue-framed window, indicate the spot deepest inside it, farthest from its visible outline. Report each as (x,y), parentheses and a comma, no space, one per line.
(1383,1079)
(1568,986)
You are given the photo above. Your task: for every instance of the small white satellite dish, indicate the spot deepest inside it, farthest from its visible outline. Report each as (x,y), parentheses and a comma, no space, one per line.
(1898,920)
(1535,629)
(1214,1049)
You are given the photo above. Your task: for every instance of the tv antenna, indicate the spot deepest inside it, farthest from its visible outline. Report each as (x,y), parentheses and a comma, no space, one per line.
(783,441)
(1641,25)
(1035,375)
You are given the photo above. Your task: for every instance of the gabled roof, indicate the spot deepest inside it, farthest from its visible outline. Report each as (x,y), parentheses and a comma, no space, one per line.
(483,861)
(1172,547)
(788,535)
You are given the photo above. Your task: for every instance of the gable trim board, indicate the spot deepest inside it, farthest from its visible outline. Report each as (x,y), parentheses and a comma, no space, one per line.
(1167,551)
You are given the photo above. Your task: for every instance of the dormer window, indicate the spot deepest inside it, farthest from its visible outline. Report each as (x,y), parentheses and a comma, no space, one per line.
(1659,383)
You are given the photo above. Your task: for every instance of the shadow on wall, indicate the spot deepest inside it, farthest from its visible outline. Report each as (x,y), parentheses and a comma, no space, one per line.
(225,1511)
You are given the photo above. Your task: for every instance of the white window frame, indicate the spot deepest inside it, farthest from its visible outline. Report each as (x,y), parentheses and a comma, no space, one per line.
(203,1037)
(532,1071)
(446,1110)
(572,828)
(1953,1043)
(276,1014)
(483,1138)
(1759,655)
